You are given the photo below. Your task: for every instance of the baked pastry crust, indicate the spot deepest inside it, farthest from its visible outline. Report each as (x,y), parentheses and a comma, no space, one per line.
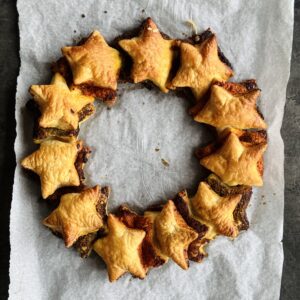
(59,105)
(236,163)
(77,215)
(246,137)
(54,163)
(181,228)
(215,210)
(121,249)
(200,66)
(94,62)
(107,95)
(84,244)
(152,55)
(196,251)
(225,109)
(173,234)
(222,189)
(151,254)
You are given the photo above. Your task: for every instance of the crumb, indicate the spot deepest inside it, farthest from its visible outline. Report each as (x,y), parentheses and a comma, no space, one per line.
(75,31)
(165,162)
(108,108)
(263,196)
(197,38)
(264,203)
(143,10)
(83,16)
(156,149)
(274,194)
(143,103)
(105,11)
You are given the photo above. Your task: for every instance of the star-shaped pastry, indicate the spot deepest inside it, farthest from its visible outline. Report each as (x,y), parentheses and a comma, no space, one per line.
(59,106)
(215,210)
(196,250)
(151,255)
(152,56)
(224,190)
(84,244)
(159,257)
(200,65)
(76,215)
(224,109)
(236,163)
(54,163)
(121,249)
(173,234)
(94,63)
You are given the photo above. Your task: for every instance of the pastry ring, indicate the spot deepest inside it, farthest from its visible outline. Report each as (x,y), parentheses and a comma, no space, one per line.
(180,228)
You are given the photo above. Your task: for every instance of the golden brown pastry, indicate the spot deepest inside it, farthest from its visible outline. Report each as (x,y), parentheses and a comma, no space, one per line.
(54,163)
(121,249)
(200,65)
(173,234)
(161,258)
(196,251)
(60,107)
(236,162)
(94,62)
(77,215)
(181,228)
(152,55)
(234,88)
(224,190)
(151,254)
(215,210)
(84,244)
(247,137)
(224,109)
(107,95)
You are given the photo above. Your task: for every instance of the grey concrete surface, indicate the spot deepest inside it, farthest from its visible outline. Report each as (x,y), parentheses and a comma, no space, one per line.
(9,64)
(9,67)
(290,288)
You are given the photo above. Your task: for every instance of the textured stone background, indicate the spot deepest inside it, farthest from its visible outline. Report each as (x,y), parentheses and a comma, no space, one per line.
(9,64)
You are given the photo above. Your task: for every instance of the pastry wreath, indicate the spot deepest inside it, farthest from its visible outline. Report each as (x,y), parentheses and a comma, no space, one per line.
(178,229)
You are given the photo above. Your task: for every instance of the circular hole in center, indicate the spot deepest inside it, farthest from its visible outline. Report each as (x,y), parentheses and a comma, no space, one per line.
(143,147)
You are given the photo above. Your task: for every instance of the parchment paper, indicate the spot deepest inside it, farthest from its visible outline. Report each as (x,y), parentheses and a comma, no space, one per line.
(256,36)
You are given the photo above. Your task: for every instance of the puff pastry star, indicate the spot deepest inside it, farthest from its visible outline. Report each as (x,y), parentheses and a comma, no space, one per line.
(200,66)
(121,249)
(173,234)
(236,163)
(196,250)
(54,163)
(59,105)
(226,110)
(76,215)
(151,255)
(94,62)
(215,210)
(152,56)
